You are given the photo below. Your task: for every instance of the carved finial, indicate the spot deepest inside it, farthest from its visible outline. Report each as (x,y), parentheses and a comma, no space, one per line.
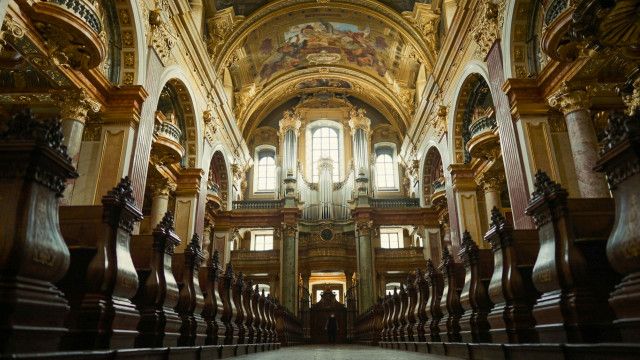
(240,279)
(256,290)
(430,267)
(123,192)
(228,273)
(446,259)
(543,185)
(620,128)
(214,265)
(469,250)
(194,244)
(166,224)
(497,219)
(24,126)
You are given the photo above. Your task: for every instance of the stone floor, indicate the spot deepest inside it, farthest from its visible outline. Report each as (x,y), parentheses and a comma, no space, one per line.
(339,352)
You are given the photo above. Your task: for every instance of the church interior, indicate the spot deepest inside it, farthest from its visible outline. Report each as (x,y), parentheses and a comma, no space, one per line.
(207,179)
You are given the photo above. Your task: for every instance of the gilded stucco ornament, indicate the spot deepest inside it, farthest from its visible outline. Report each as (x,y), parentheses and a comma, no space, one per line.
(161,32)
(11,31)
(358,120)
(488,25)
(569,100)
(76,105)
(219,29)
(426,20)
(291,120)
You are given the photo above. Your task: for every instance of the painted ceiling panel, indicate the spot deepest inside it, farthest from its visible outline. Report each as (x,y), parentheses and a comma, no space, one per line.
(246,7)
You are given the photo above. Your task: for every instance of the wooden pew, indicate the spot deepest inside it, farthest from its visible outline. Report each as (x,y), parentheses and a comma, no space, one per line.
(225,287)
(157,294)
(238,290)
(619,160)
(453,274)
(410,314)
(213,306)
(571,270)
(435,283)
(402,314)
(511,288)
(247,301)
(101,279)
(33,255)
(191,301)
(474,299)
(257,316)
(421,309)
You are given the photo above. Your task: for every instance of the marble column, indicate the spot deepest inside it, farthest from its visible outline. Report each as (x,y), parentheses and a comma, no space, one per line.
(74,108)
(492,186)
(207,244)
(186,207)
(289,277)
(574,104)
(365,265)
(160,189)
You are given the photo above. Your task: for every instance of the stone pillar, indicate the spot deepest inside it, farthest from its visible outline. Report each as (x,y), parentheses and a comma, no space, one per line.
(360,130)
(207,244)
(364,253)
(187,199)
(74,108)
(464,188)
(575,104)
(492,186)
(160,189)
(288,267)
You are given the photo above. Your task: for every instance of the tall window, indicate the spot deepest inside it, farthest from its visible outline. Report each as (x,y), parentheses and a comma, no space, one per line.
(324,144)
(386,174)
(262,240)
(266,171)
(391,238)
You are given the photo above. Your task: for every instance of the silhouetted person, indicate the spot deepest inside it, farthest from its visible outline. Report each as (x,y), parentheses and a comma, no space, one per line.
(332,328)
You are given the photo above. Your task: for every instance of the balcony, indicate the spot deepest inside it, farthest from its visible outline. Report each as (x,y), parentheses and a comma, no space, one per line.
(397,203)
(438,191)
(249,261)
(403,259)
(167,148)
(72,28)
(257,205)
(484,139)
(214,196)
(555,36)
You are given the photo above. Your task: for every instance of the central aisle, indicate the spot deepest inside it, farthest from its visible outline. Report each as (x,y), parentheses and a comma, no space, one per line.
(340,352)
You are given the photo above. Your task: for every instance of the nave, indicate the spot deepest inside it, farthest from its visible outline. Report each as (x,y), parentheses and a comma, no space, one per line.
(340,352)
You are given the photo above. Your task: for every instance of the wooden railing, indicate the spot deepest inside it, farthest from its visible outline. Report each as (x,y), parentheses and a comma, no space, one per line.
(395,203)
(257,204)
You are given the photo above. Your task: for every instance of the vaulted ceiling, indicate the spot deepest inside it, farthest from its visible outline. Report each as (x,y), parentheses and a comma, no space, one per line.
(279,50)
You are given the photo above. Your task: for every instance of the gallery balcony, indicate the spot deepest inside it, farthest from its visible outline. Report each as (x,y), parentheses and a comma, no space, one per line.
(395,203)
(438,191)
(555,36)
(214,196)
(484,139)
(73,28)
(399,259)
(166,141)
(249,261)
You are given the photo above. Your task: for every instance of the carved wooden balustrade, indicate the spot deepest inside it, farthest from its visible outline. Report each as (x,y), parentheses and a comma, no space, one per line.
(368,325)
(191,302)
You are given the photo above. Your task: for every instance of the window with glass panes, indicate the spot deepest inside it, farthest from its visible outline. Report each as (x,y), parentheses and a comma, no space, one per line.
(324,144)
(391,238)
(266,179)
(386,176)
(262,242)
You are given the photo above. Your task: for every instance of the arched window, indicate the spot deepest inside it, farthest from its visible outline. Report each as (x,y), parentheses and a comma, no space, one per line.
(386,169)
(266,170)
(324,144)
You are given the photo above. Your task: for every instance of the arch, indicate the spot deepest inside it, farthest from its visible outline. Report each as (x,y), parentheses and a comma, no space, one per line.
(521,53)
(134,43)
(219,174)
(474,69)
(432,171)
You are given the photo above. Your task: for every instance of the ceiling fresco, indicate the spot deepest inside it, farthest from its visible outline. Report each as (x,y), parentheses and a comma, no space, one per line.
(322,37)
(246,7)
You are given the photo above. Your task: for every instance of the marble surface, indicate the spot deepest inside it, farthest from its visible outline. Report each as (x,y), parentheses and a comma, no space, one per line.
(339,352)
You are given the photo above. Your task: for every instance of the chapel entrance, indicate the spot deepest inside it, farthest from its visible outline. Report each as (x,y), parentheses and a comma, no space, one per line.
(320,313)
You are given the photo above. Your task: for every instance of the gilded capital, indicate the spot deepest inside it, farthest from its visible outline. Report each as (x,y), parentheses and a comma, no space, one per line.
(290,121)
(491,181)
(76,105)
(358,120)
(569,100)
(160,186)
